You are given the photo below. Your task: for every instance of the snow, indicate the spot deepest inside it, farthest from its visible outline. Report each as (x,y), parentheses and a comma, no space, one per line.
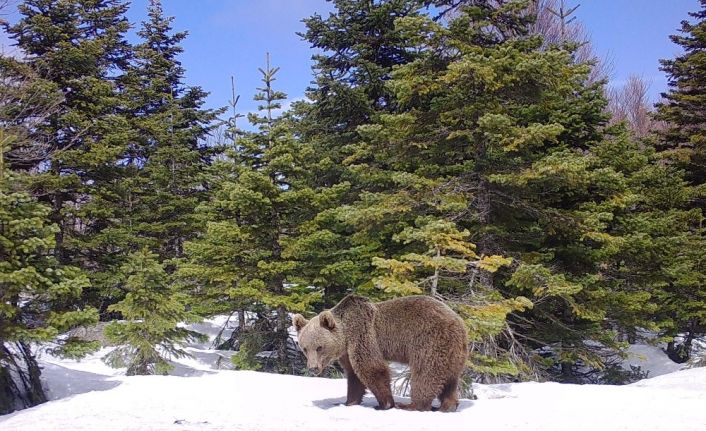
(243,400)
(65,377)
(651,359)
(201,395)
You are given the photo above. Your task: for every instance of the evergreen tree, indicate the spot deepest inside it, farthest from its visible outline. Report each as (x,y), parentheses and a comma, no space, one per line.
(683,105)
(79,47)
(683,145)
(653,254)
(506,135)
(441,262)
(243,259)
(38,296)
(169,148)
(360,47)
(152,309)
(25,101)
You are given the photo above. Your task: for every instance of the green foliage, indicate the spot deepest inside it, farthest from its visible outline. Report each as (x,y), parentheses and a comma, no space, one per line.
(127,155)
(403,226)
(168,154)
(78,49)
(502,145)
(682,144)
(683,140)
(455,155)
(349,89)
(38,296)
(246,358)
(149,335)
(259,201)
(448,255)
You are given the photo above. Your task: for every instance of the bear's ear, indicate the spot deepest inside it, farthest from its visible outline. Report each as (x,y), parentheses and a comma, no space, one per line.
(327,321)
(299,322)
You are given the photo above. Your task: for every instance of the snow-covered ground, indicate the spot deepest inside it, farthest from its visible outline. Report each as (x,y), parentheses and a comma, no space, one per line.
(651,359)
(66,377)
(88,395)
(243,400)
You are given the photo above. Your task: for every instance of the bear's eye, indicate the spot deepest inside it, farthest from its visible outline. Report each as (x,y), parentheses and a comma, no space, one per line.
(304,349)
(319,349)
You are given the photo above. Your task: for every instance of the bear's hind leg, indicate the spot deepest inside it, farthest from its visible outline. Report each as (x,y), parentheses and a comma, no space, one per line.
(425,387)
(449,396)
(420,401)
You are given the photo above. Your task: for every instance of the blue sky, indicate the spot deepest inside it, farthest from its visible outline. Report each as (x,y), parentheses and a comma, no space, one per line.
(634,34)
(231,37)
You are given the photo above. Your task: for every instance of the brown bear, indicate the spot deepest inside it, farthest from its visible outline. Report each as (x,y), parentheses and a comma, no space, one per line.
(416,330)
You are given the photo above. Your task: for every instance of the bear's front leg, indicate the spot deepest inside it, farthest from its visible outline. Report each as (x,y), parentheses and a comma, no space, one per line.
(371,368)
(356,388)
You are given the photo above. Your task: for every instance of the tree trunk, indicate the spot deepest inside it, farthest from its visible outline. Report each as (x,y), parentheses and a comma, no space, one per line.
(241,320)
(57,218)
(327,297)
(20,386)
(677,352)
(57,199)
(567,372)
(435,280)
(282,336)
(690,335)
(485,242)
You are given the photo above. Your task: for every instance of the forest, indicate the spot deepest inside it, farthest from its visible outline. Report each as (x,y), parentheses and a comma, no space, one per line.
(470,150)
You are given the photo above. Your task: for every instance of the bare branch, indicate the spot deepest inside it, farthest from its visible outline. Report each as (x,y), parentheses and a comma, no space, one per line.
(630,103)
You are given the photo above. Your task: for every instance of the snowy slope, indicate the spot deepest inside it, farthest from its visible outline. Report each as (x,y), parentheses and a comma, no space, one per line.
(241,400)
(65,377)
(88,395)
(651,359)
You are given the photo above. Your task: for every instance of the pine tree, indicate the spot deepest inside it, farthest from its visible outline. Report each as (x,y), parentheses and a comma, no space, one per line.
(149,336)
(653,251)
(683,145)
(682,108)
(38,296)
(25,101)
(169,146)
(441,262)
(79,47)
(360,47)
(243,258)
(509,134)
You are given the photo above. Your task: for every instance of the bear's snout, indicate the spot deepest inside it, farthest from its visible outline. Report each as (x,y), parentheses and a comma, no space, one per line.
(315,370)
(315,364)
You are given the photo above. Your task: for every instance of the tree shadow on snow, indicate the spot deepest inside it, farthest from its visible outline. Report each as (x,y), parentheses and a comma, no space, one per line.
(202,362)
(61,382)
(371,402)
(182,370)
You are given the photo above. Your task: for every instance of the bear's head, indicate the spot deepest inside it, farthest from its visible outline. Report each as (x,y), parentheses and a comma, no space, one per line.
(321,339)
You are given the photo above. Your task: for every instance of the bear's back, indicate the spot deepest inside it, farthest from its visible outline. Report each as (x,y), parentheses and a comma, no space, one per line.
(412,324)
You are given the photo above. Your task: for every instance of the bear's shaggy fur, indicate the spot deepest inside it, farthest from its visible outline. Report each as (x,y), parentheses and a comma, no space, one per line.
(416,330)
